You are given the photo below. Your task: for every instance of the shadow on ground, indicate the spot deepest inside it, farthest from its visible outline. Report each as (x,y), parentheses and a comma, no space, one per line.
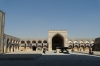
(52,56)
(19,56)
(87,53)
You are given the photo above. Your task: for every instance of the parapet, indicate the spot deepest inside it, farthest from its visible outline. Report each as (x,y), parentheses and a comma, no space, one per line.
(57,31)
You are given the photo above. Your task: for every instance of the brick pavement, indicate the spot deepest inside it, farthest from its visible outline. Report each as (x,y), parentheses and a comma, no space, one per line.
(56,59)
(97,53)
(20,55)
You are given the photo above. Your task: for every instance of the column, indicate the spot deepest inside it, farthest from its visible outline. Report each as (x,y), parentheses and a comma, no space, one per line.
(65,42)
(20,47)
(49,44)
(79,48)
(8,49)
(15,48)
(5,45)
(26,46)
(11,48)
(2,20)
(31,47)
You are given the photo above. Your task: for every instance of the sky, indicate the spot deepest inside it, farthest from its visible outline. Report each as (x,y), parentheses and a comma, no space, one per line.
(34,18)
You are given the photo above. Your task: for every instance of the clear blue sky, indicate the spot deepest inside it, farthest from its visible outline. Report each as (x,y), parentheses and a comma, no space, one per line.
(33,18)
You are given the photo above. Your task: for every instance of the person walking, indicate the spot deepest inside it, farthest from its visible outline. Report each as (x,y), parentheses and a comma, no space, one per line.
(44,50)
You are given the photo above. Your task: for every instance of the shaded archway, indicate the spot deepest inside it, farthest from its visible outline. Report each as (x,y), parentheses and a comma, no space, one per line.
(75,48)
(87,48)
(70,46)
(22,45)
(39,41)
(57,41)
(33,41)
(81,48)
(34,48)
(44,41)
(22,42)
(7,43)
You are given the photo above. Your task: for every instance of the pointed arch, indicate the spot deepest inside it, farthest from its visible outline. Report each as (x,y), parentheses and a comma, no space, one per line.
(57,41)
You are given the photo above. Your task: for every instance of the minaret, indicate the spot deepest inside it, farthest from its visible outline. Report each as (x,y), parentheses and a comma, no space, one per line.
(2,22)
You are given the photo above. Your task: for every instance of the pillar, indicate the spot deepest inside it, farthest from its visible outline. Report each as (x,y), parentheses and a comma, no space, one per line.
(14,48)
(49,44)
(5,47)
(20,47)
(8,49)
(2,20)
(65,42)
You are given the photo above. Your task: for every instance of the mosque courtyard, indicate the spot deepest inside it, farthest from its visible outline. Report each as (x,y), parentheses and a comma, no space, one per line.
(50,59)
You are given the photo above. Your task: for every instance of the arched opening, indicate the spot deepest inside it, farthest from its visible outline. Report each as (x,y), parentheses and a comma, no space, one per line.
(39,48)
(34,48)
(28,42)
(23,46)
(45,47)
(81,48)
(75,42)
(7,42)
(92,42)
(44,41)
(29,45)
(76,48)
(70,46)
(33,41)
(22,42)
(57,41)
(81,42)
(11,41)
(87,48)
(70,42)
(87,42)
(39,41)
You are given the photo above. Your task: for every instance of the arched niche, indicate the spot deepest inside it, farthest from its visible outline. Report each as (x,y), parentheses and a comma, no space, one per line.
(75,42)
(57,41)
(22,42)
(28,42)
(39,41)
(70,42)
(33,41)
(44,41)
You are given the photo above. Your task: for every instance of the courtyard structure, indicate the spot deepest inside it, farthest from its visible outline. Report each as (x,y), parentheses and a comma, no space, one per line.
(56,38)
(2,21)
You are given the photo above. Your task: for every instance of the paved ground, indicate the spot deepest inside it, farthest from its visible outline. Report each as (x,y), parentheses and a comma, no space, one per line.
(97,53)
(20,55)
(56,59)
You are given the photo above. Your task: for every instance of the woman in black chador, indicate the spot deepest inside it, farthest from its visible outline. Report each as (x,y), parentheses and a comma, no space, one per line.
(44,50)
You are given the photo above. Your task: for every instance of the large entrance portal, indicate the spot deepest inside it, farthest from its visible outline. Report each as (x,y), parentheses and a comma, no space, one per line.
(57,41)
